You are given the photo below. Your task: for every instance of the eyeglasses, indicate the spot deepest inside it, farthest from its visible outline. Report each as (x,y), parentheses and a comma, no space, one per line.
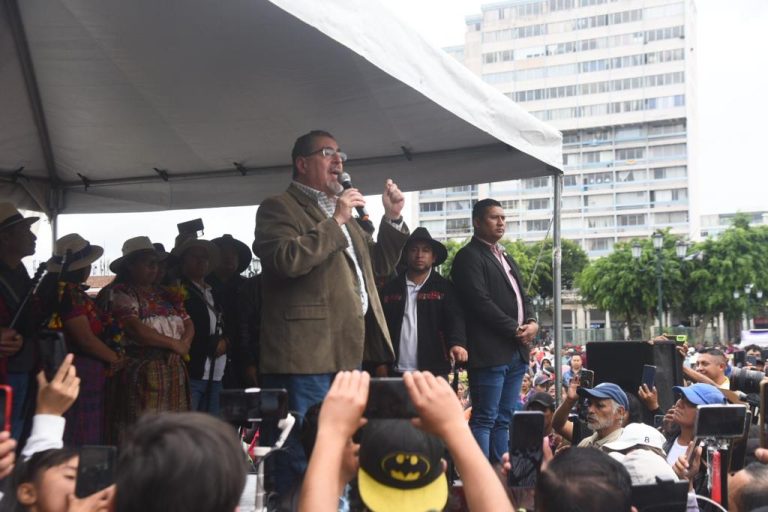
(329,152)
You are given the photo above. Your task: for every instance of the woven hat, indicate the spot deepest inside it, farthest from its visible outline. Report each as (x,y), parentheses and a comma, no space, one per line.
(210,247)
(401,468)
(10,216)
(134,245)
(243,251)
(81,253)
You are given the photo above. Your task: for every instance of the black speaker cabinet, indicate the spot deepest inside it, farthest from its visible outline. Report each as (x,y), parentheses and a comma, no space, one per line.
(621,362)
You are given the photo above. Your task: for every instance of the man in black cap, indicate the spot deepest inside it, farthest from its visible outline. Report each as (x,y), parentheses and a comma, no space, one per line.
(422,311)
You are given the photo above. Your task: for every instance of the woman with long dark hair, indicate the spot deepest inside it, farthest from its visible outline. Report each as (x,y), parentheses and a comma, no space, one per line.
(62,293)
(158,335)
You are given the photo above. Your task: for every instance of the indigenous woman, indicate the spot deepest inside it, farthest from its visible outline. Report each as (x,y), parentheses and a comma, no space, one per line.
(158,334)
(62,292)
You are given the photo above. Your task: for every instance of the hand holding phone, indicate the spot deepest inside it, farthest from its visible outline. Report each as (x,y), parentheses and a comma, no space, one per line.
(95,470)
(526,437)
(388,399)
(57,395)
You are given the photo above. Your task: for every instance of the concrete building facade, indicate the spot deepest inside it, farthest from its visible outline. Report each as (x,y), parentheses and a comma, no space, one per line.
(617,78)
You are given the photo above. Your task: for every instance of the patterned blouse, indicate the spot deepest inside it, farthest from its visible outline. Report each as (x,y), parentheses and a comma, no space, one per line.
(156,307)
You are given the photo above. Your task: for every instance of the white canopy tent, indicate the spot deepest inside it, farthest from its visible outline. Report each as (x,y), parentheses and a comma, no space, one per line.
(141,105)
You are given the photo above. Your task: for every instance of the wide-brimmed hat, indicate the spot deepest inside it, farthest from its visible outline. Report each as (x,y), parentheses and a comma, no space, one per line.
(421,234)
(243,251)
(132,246)
(77,250)
(189,243)
(10,216)
(401,468)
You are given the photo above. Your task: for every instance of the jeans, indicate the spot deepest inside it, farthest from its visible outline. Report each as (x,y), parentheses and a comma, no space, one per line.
(20,384)
(494,391)
(200,399)
(304,391)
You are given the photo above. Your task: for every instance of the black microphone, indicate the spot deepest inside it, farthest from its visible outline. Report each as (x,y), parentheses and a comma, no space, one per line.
(346,182)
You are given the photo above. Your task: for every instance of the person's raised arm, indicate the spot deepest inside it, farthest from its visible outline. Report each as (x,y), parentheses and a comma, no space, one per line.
(441,414)
(340,416)
(560,418)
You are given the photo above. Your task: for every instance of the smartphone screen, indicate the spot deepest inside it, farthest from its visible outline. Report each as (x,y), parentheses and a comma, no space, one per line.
(96,469)
(649,376)
(720,421)
(244,406)
(587,379)
(6,406)
(658,421)
(388,398)
(739,358)
(738,452)
(53,350)
(526,436)
(751,360)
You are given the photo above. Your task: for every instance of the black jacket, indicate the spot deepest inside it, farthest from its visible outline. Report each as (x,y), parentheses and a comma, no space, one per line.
(238,357)
(440,323)
(490,305)
(203,344)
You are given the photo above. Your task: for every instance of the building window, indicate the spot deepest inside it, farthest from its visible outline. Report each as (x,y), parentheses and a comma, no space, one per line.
(459,206)
(668,173)
(537,204)
(536,225)
(540,182)
(598,178)
(637,219)
(458,225)
(509,204)
(630,154)
(570,180)
(599,244)
(431,207)
(600,222)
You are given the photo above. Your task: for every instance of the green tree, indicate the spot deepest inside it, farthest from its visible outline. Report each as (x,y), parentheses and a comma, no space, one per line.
(572,262)
(453,247)
(626,286)
(725,265)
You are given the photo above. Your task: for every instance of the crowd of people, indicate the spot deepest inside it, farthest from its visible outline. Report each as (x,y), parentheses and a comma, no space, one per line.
(332,307)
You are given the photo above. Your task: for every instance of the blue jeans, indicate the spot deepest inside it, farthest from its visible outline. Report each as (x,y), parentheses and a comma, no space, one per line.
(199,393)
(304,391)
(20,384)
(494,392)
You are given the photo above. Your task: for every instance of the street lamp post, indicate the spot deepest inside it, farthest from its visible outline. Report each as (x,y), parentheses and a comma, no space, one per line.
(658,243)
(748,294)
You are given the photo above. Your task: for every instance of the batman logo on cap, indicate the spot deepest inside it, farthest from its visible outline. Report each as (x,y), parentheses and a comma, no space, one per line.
(405,467)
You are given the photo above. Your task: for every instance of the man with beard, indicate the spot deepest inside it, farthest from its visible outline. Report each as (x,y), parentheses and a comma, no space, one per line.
(607,405)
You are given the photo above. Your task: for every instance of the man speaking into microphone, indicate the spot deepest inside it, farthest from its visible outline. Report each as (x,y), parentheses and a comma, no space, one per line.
(321,311)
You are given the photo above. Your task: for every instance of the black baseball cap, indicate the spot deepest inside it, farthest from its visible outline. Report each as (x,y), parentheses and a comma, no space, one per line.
(541,398)
(401,468)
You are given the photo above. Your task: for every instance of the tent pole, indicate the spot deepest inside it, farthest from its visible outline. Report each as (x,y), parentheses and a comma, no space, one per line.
(54,218)
(557,319)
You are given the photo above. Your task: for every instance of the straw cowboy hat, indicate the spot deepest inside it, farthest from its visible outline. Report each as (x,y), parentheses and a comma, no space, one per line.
(10,216)
(78,252)
(210,247)
(134,245)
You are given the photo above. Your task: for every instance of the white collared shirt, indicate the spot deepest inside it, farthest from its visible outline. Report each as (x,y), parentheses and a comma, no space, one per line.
(408,360)
(221,362)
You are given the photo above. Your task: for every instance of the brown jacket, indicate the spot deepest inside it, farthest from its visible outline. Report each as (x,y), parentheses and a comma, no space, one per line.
(311,313)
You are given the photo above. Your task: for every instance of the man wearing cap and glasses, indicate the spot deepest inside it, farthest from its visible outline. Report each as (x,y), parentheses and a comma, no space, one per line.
(16,242)
(321,312)
(422,311)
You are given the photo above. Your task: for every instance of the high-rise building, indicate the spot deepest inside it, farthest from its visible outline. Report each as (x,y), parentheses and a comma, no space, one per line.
(617,78)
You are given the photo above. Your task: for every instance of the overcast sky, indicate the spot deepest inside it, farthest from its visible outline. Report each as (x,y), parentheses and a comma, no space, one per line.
(731,109)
